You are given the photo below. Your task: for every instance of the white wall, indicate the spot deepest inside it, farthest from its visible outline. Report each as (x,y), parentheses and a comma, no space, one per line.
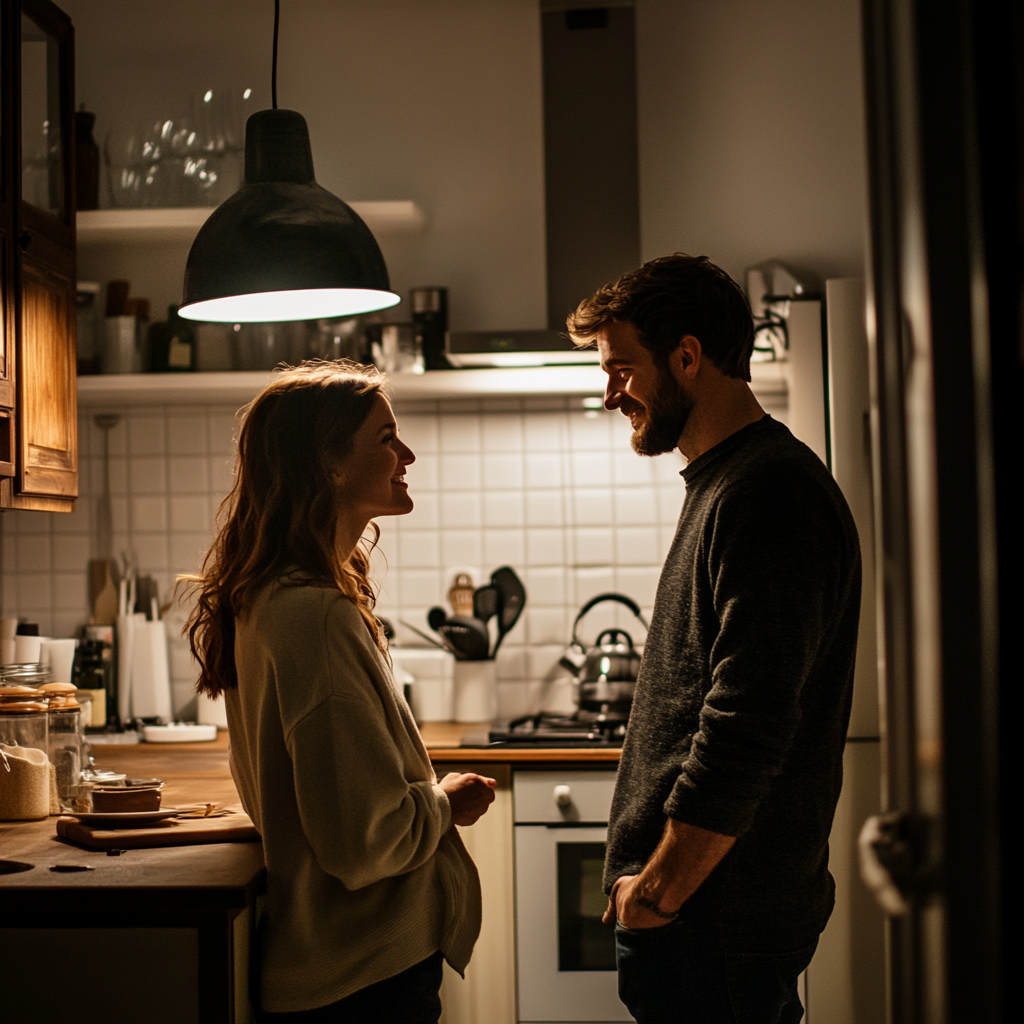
(435,101)
(751,132)
(750,115)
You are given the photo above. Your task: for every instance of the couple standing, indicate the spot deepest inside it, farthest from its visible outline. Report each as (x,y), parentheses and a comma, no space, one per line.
(717,856)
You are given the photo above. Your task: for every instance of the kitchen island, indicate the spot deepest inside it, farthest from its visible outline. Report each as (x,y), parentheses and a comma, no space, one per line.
(164,934)
(148,934)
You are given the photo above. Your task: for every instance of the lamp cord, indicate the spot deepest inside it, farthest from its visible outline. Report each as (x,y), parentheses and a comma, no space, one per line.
(273,67)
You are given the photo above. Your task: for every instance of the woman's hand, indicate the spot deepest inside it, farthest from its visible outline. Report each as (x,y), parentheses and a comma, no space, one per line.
(469,795)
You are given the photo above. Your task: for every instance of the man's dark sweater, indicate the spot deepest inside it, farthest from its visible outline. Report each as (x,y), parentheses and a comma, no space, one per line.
(743,697)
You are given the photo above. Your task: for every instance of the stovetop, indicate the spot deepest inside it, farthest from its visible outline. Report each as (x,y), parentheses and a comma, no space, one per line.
(547,730)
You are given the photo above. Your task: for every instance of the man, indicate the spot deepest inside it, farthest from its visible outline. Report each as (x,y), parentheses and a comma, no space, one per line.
(717,855)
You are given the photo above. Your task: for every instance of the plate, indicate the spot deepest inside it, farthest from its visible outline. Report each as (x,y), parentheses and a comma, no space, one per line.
(122,819)
(179,733)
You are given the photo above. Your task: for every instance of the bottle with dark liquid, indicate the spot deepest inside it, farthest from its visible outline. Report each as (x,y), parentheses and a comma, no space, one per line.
(430,321)
(87,162)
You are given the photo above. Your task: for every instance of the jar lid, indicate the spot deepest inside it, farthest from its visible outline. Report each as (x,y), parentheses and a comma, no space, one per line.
(58,687)
(28,672)
(26,707)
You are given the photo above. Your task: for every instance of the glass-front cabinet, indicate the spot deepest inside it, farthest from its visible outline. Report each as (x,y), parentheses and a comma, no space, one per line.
(37,225)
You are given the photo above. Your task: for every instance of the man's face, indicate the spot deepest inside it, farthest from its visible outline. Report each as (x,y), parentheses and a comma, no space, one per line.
(655,402)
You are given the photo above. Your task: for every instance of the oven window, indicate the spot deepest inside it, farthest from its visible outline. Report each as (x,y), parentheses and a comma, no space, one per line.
(584,944)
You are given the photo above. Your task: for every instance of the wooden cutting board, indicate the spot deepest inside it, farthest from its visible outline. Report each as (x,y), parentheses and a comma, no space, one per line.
(234,827)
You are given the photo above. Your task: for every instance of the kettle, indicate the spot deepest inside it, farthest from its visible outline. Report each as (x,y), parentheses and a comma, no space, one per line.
(606,673)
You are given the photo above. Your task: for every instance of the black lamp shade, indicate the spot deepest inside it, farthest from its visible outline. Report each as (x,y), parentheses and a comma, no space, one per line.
(282,247)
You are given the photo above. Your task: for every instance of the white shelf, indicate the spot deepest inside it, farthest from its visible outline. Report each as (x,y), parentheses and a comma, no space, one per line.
(180,224)
(202,388)
(239,387)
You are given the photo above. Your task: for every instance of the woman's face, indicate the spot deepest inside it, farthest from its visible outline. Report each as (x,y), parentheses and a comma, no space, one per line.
(371,479)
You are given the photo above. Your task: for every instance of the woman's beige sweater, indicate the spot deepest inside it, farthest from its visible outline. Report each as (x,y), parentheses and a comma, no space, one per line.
(365,874)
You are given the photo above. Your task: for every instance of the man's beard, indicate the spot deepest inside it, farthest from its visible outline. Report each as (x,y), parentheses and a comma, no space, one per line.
(666,417)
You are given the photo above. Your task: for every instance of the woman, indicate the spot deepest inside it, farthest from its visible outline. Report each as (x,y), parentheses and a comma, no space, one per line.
(368,885)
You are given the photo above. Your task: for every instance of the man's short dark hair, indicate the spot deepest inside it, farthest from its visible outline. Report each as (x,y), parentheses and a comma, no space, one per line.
(668,298)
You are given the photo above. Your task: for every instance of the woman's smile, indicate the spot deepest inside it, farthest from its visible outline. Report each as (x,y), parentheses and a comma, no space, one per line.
(374,470)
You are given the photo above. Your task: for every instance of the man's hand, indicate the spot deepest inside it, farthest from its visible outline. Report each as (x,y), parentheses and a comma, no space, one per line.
(622,906)
(469,795)
(685,856)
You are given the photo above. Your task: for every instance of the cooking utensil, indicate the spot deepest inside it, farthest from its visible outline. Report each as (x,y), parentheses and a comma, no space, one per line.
(486,603)
(468,636)
(511,599)
(436,618)
(460,596)
(102,589)
(420,633)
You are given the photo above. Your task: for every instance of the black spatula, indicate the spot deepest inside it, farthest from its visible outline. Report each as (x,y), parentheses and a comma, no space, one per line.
(511,599)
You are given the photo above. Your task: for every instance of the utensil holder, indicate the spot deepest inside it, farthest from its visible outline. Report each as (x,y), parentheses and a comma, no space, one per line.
(476,691)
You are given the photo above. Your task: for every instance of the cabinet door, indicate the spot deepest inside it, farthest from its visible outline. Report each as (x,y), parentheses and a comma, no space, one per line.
(47,420)
(7,149)
(47,401)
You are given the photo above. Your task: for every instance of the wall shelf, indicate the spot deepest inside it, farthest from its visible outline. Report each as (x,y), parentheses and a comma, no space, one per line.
(239,387)
(180,224)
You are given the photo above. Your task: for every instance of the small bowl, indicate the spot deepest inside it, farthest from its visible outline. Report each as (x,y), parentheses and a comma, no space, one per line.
(124,800)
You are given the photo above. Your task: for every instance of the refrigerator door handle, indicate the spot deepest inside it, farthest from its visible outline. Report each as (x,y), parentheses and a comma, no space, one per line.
(896,860)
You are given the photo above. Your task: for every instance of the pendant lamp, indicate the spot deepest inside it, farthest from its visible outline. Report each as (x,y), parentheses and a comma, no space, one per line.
(282,247)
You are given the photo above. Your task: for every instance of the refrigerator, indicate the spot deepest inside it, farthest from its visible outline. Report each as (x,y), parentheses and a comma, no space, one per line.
(829,410)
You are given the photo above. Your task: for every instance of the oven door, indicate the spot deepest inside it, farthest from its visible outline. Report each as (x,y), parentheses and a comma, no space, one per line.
(565,956)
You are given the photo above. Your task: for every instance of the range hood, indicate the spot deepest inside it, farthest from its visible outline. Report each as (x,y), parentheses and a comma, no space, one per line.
(592,207)
(516,348)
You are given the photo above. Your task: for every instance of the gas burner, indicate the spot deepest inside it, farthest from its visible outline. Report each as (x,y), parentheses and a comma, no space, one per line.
(549,730)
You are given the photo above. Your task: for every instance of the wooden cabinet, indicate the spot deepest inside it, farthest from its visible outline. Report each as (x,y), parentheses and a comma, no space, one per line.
(38,398)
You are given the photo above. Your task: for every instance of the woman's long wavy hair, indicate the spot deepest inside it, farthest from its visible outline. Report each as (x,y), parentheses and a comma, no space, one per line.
(279,519)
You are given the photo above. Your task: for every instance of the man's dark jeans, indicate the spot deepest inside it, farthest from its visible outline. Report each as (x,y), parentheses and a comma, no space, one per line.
(679,974)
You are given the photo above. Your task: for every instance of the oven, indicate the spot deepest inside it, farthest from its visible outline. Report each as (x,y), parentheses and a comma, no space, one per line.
(565,957)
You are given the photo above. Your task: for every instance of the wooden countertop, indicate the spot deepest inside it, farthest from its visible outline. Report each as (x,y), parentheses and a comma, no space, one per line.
(167,878)
(223,874)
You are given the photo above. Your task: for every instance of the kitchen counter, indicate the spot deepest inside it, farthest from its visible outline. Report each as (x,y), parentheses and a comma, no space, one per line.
(218,875)
(224,874)
(193,907)
(161,934)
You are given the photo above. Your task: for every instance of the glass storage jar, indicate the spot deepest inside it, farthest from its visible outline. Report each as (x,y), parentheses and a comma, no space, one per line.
(65,752)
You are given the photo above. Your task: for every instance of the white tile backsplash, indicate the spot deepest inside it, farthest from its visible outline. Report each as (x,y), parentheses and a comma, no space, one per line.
(538,484)
(147,474)
(187,434)
(147,435)
(544,508)
(502,471)
(503,508)
(544,469)
(504,547)
(502,432)
(460,434)
(460,472)
(188,474)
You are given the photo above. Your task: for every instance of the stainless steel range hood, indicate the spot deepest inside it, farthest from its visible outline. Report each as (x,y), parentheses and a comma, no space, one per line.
(516,348)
